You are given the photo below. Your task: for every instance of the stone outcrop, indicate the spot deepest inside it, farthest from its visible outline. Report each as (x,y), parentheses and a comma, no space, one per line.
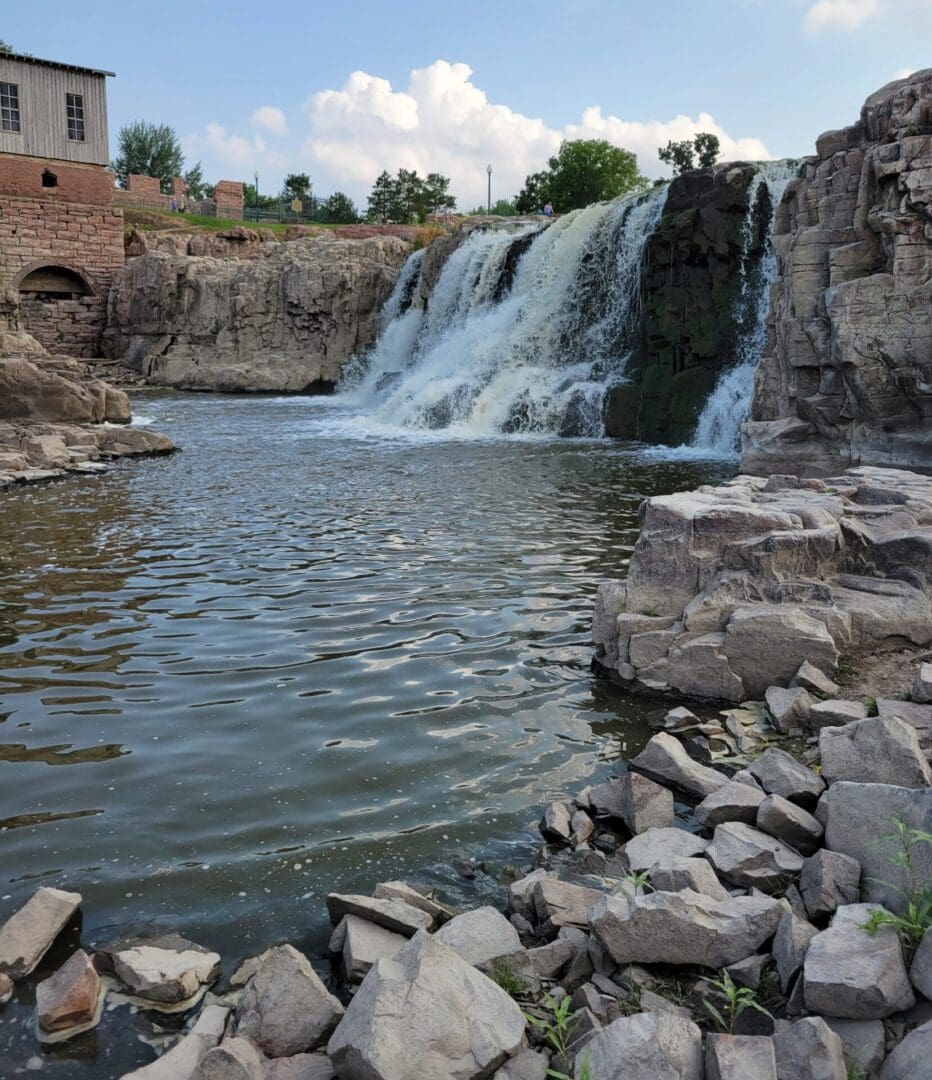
(736,587)
(846,377)
(284,322)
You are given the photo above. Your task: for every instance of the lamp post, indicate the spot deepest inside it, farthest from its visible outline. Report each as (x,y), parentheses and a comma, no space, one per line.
(488,170)
(256,178)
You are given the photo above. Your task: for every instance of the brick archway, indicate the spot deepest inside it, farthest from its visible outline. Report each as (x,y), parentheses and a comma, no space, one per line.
(79,276)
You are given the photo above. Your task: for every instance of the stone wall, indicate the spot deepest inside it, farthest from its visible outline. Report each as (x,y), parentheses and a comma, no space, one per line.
(74,183)
(847,374)
(228,200)
(145,193)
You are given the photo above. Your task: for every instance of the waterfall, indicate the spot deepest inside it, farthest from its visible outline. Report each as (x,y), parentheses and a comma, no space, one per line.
(525,330)
(719,426)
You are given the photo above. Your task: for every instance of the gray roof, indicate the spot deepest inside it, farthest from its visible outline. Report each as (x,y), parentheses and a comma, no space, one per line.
(54,63)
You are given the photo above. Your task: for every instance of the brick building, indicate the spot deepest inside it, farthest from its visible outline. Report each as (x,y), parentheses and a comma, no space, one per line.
(60,237)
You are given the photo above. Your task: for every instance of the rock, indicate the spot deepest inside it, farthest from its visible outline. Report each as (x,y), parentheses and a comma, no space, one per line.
(646,1046)
(673,875)
(548,961)
(637,801)
(555,823)
(911,1058)
(53,389)
(664,759)
(300,1067)
(739,1057)
(789,707)
(789,823)
(790,944)
(560,903)
(285,1008)
(859,816)
(853,974)
(920,972)
(658,847)
(363,943)
(863,1040)
(480,935)
(749,858)
(28,934)
(164,970)
(922,686)
(183,1058)
(582,827)
(521,893)
(429,1007)
(828,880)
(810,678)
(766,645)
(781,774)
(251,964)
(836,713)
(748,972)
(398,890)
(528,1065)
(6,989)
(396,915)
(70,998)
(809,1050)
(733,801)
(874,751)
(685,927)
(233,1059)
(910,712)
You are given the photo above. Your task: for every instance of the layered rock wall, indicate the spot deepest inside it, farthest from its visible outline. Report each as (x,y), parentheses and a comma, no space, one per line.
(847,374)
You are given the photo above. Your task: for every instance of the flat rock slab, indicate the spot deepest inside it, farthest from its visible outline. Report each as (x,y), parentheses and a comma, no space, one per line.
(660,847)
(663,759)
(285,1008)
(396,915)
(779,773)
(836,713)
(750,858)
(809,1050)
(685,927)
(480,935)
(164,970)
(364,943)
(646,1046)
(70,998)
(400,890)
(874,751)
(733,801)
(688,873)
(28,935)
(853,974)
(561,903)
(430,1009)
(739,1057)
(183,1058)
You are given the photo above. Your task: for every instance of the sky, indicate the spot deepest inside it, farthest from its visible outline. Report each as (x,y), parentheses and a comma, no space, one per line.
(342,91)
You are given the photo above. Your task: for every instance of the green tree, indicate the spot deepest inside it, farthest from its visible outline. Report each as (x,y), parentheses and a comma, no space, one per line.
(296,186)
(584,171)
(340,209)
(407,197)
(197,187)
(708,148)
(148,150)
(681,155)
(435,196)
(535,194)
(249,198)
(381,198)
(5,47)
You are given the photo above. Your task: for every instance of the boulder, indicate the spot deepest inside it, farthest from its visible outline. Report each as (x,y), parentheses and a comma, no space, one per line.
(165,970)
(734,801)
(910,712)
(233,1059)
(920,971)
(911,1058)
(362,943)
(790,944)
(480,935)
(827,881)
(874,751)
(809,1050)
(684,927)
(28,934)
(674,875)
(810,678)
(183,1058)
(521,893)
(766,644)
(646,1046)
(739,1057)
(788,706)
(636,800)
(71,997)
(285,1008)
(835,713)
(749,858)
(300,1067)
(864,1042)
(748,972)
(790,823)
(659,847)
(396,915)
(922,685)
(399,890)
(53,389)
(779,773)
(527,1065)
(6,989)
(853,974)
(664,759)
(555,824)
(560,903)
(428,1008)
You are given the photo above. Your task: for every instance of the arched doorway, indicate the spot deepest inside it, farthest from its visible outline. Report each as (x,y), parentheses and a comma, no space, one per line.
(61,308)
(54,283)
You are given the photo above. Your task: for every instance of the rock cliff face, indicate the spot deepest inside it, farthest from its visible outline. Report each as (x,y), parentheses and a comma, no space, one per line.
(847,374)
(283,322)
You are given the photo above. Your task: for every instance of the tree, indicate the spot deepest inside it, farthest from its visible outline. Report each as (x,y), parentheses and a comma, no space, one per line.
(407,197)
(297,186)
(197,187)
(148,150)
(380,198)
(681,154)
(584,171)
(5,47)
(249,198)
(340,209)
(708,148)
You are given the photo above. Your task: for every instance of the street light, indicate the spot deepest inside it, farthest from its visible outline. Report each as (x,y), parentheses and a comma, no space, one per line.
(256,177)
(488,169)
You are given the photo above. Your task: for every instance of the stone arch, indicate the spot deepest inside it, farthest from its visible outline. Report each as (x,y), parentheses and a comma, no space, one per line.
(53,279)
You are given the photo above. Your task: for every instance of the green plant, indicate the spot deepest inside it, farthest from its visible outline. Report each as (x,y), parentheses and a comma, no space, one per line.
(649,611)
(855,1072)
(917,918)
(558,1030)
(871,705)
(630,883)
(847,671)
(513,985)
(737,999)
(585,1072)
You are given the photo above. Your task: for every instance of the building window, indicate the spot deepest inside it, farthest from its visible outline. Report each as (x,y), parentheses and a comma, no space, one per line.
(75,108)
(9,107)
(49,179)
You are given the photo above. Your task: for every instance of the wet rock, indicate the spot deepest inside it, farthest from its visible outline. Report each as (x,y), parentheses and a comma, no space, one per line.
(686,873)
(864,1042)
(556,822)
(853,974)
(911,1058)
(733,801)
(809,1050)
(810,678)
(827,881)
(739,1057)
(836,713)
(920,972)
(789,707)
(749,858)
(646,1046)
(363,943)
(781,774)
(874,751)
(480,935)
(664,759)
(636,800)
(659,847)
(685,927)
(183,1058)
(922,685)
(70,998)
(233,1059)
(164,970)
(396,915)
(28,934)
(399,890)
(790,945)
(560,903)
(286,1009)
(427,1006)
(790,823)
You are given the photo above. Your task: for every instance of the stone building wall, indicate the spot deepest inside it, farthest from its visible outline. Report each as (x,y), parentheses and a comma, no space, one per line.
(228,199)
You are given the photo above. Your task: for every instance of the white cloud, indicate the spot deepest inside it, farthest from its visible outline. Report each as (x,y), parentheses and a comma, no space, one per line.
(271,119)
(239,155)
(903,73)
(839,14)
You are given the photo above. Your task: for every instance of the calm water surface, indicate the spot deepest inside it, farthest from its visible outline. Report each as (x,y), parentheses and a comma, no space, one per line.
(301,655)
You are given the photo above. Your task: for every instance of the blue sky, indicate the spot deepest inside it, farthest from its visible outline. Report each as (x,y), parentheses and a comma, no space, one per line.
(271,87)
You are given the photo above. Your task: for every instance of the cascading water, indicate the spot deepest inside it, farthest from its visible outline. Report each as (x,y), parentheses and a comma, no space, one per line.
(727,407)
(524,331)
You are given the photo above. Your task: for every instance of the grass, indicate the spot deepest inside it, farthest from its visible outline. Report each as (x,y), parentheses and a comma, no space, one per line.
(737,999)
(848,671)
(513,985)
(917,918)
(558,1028)
(871,705)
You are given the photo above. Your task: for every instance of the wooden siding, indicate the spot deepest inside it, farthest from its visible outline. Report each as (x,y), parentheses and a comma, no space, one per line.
(43,117)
